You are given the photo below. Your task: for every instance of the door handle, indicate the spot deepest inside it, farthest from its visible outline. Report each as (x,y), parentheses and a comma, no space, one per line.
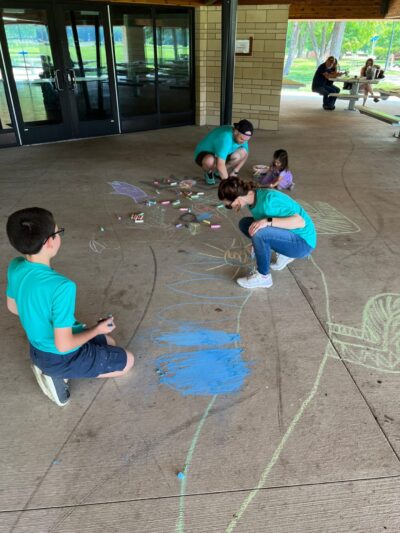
(72,79)
(57,81)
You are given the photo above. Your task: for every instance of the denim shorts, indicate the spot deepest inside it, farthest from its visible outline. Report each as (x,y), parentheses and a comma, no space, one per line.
(89,361)
(201,155)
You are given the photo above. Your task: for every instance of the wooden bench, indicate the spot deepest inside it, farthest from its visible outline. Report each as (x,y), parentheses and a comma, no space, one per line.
(393,120)
(292,84)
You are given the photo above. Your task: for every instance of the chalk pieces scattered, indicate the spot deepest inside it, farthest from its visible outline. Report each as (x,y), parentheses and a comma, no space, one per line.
(150,203)
(215,226)
(180,475)
(179,225)
(206,222)
(185,209)
(175,203)
(220,206)
(165,202)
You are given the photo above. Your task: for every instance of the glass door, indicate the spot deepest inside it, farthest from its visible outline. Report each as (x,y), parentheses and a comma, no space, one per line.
(175,77)
(59,61)
(35,73)
(88,73)
(153,55)
(7,133)
(134,51)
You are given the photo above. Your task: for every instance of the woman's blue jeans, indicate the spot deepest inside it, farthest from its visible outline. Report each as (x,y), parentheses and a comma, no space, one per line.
(282,241)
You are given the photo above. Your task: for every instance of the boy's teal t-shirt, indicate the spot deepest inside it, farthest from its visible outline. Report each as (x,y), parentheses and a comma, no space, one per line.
(272,203)
(45,300)
(220,142)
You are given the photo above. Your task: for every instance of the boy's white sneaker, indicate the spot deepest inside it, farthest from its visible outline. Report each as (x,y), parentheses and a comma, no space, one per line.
(56,389)
(255,281)
(281,262)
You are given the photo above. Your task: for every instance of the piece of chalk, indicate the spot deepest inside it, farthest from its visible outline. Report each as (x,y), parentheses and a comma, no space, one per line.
(119,217)
(156,182)
(215,226)
(165,202)
(200,194)
(176,202)
(178,225)
(180,475)
(101,228)
(220,205)
(184,209)
(206,222)
(173,184)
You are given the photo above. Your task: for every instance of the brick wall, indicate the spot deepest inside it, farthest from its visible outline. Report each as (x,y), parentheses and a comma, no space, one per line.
(258,78)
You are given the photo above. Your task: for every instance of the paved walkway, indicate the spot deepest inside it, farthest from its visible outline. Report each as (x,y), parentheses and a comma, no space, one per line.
(280,406)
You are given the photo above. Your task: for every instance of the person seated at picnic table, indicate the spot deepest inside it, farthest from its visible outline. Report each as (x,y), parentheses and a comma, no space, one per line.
(324,86)
(370,71)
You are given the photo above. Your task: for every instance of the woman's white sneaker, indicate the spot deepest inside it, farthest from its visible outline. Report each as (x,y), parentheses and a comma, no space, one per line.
(255,281)
(281,262)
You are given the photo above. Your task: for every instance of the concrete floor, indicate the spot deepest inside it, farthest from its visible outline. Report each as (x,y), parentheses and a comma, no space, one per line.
(297,428)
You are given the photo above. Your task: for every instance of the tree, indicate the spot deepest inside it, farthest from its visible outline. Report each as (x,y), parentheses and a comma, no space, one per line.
(319,48)
(337,38)
(292,48)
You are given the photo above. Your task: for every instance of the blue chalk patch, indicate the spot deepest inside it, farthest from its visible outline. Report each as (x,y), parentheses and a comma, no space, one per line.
(204,216)
(205,372)
(193,336)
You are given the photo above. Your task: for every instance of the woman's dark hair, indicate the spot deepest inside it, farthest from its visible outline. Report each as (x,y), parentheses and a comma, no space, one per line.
(282,156)
(369,59)
(28,229)
(231,188)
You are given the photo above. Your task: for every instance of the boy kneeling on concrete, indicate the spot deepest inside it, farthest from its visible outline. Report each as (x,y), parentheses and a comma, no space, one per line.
(60,347)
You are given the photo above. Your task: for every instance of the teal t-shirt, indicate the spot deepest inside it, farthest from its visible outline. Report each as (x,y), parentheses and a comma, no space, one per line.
(220,142)
(272,203)
(45,300)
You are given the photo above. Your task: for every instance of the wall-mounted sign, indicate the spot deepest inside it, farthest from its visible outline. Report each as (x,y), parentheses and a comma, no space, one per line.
(244,47)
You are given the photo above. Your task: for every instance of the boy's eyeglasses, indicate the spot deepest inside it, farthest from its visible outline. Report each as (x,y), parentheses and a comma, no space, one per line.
(59,232)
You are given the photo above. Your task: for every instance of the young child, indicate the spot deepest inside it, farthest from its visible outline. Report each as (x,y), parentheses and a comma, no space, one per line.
(278,175)
(60,347)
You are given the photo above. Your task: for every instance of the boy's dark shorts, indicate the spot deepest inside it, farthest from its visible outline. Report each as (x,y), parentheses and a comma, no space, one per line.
(89,361)
(201,155)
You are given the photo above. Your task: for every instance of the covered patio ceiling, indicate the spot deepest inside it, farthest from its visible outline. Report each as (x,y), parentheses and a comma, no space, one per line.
(305,9)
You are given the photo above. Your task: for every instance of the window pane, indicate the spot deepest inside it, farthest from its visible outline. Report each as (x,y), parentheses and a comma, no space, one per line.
(134,57)
(88,64)
(5,119)
(173,54)
(32,63)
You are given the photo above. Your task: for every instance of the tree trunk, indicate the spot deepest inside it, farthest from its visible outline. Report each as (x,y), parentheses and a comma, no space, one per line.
(292,48)
(302,41)
(337,39)
(319,51)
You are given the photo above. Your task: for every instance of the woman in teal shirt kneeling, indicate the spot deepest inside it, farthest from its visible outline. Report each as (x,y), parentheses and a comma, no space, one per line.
(277,223)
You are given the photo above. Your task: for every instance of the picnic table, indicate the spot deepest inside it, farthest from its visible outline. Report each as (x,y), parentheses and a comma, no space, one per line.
(354,95)
(386,93)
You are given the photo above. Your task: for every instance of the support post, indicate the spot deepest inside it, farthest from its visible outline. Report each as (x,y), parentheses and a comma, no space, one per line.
(228,22)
